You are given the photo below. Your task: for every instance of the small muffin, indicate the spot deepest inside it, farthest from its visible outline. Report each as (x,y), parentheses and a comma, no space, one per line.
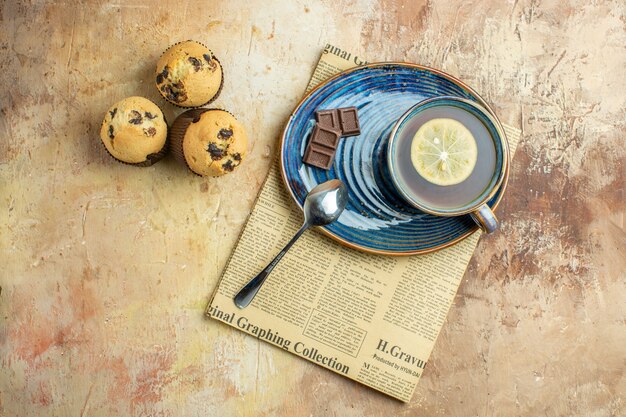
(210,142)
(188,75)
(134,131)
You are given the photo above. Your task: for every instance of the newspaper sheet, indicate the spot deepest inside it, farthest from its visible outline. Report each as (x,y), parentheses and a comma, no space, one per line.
(368,317)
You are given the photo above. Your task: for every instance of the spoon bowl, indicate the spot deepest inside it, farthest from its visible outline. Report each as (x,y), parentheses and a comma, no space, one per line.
(325,203)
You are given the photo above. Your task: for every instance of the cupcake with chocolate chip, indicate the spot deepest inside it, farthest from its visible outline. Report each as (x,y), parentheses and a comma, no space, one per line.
(210,142)
(189,75)
(134,131)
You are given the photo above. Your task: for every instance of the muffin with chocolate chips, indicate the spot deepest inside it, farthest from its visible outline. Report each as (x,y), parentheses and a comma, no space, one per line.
(135,132)
(210,142)
(188,75)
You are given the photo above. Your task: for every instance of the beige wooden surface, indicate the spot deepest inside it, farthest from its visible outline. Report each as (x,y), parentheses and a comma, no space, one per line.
(106,268)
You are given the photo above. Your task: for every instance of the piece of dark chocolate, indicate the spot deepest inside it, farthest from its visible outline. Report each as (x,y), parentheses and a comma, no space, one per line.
(328,118)
(320,151)
(325,136)
(136,118)
(215,151)
(197,65)
(319,156)
(225,134)
(228,166)
(349,121)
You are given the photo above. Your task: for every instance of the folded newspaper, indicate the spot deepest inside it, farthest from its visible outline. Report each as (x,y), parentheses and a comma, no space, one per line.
(369,317)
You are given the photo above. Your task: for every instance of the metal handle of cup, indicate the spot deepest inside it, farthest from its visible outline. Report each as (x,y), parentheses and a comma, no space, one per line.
(485,219)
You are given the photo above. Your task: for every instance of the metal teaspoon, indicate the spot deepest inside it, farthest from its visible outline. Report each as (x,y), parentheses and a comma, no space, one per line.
(323,205)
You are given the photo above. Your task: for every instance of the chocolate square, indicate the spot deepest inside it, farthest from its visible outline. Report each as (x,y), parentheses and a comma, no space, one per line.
(349,121)
(320,151)
(328,118)
(319,156)
(325,136)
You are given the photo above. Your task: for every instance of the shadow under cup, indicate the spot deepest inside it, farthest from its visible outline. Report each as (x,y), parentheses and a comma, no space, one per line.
(469,196)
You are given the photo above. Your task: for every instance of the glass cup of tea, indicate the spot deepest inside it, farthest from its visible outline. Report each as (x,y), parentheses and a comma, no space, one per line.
(448,156)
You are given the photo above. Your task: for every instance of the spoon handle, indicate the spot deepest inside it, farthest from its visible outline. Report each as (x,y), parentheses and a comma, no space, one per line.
(245,296)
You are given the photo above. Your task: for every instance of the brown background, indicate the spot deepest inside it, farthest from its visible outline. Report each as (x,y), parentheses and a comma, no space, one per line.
(106,268)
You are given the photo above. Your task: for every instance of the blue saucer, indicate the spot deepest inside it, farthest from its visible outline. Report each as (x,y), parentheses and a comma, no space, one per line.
(376,218)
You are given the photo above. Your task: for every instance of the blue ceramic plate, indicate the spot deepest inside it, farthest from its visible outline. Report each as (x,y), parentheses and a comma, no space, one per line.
(376,218)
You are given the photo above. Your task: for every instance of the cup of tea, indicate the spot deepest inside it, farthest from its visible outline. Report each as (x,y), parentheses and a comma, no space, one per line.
(448,156)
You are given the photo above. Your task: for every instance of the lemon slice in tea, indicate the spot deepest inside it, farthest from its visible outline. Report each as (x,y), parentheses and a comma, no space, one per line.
(444,152)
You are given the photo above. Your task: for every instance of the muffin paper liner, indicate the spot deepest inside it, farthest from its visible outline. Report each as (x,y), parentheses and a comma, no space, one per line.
(177,134)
